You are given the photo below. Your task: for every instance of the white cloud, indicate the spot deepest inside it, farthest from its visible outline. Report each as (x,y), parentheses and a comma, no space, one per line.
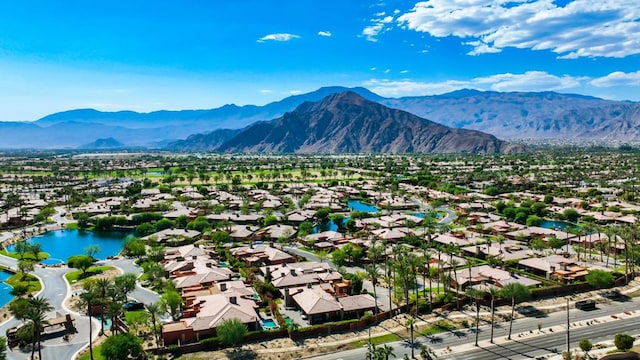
(324,33)
(528,81)
(266,91)
(295,92)
(581,28)
(387,71)
(617,78)
(373,69)
(404,71)
(278,37)
(378,26)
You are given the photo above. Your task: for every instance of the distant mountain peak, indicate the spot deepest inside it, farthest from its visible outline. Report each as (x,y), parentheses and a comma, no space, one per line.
(346,122)
(103,143)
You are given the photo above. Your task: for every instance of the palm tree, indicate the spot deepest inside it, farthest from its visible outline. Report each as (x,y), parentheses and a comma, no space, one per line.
(427,261)
(475,295)
(410,323)
(493,292)
(612,235)
(454,265)
(374,254)
(156,311)
(89,298)
(414,263)
(102,286)
(36,315)
(387,351)
(518,293)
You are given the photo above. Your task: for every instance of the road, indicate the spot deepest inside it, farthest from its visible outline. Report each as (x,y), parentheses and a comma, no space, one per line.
(529,346)
(448,218)
(55,290)
(140,294)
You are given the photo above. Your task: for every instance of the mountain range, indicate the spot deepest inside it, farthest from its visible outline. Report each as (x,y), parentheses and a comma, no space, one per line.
(511,115)
(348,123)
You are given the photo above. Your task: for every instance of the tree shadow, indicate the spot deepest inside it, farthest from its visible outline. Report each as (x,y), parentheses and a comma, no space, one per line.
(242,355)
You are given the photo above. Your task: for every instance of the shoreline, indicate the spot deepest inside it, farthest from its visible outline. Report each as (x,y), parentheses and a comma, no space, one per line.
(29,233)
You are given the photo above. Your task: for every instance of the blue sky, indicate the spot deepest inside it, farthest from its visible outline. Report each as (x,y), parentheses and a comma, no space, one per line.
(151,55)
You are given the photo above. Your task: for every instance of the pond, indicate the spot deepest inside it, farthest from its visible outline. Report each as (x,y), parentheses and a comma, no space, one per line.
(422,215)
(60,244)
(5,296)
(357,205)
(558,225)
(328,226)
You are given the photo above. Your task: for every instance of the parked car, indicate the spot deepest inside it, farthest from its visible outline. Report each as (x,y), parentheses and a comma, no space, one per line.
(133,305)
(586,305)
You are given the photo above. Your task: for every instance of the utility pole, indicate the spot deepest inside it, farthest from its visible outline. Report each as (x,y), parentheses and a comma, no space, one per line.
(568,338)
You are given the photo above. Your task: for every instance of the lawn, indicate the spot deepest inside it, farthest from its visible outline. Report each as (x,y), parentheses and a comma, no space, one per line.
(27,256)
(96,354)
(29,280)
(77,275)
(383,339)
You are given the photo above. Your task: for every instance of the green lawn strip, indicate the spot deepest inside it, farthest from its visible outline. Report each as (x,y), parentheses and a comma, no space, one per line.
(73,226)
(96,354)
(77,275)
(27,256)
(377,340)
(29,280)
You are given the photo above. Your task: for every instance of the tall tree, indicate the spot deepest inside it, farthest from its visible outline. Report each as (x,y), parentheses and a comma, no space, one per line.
(476,294)
(36,315)
(89,298)
(517,293)
(410,324)
(155,311)
(102,286)
(494,292)
(231,332)
(374,254)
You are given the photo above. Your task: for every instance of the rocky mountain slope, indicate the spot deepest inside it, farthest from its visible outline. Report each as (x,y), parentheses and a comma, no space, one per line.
(348,123)
(513,115)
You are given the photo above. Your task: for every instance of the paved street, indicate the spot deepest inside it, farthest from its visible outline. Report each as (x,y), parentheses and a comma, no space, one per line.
(55,289)
(529,345)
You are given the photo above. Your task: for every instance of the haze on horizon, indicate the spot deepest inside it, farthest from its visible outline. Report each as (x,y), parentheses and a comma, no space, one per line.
(152,55)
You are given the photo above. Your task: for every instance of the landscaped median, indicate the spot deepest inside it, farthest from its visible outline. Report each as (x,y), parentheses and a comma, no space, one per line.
(79,275)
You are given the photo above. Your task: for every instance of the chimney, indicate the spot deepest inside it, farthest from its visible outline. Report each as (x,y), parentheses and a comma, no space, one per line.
(194,257)
(223,286)
(309,286)
(209,265)
(293,272)
(287,297)
(282,274)
(233,300)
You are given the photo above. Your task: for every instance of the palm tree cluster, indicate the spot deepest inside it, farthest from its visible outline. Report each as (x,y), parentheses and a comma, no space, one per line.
(109,296)
(33,312)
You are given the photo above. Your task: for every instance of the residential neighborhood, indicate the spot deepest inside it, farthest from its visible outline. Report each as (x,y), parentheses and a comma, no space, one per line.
(326,252)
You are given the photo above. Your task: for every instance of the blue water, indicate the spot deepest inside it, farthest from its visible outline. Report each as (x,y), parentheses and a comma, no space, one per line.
(356,205)
(61,244)
(422,215)
(329,226)
(5,297)
(269,324)
(558,225)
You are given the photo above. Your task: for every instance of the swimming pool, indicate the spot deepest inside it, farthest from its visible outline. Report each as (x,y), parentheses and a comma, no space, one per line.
(269,324)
